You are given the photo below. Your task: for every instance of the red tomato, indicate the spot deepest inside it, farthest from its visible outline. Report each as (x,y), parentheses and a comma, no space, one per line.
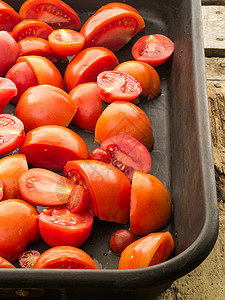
(112,27)
(120,239)
(127,154)
(31,28)
(150,204)
(109,188)
(1,190)
(101,155)
(116,85)
(121,117)
(87,64)
(5,264)
(66,41)
(145,74)
(40,101)
(150,250)
(8,90)
(78,199)
(28,258)
(89,105)
(65,257)
(153,49)
(45,188)
(56,13)
(11,168)
(11,133)
(9,52)
(18,227)
(51,146)
(60,227)
(9,17)
(117,5)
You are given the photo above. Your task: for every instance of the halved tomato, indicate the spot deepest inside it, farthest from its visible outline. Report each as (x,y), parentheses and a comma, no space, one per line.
(28,258)
(78,199)
(8,90)
(9,17)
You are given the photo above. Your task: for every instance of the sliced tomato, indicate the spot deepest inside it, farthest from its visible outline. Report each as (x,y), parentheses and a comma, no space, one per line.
(5,263)
(1,190)
(45,188)
(61,227)
(78,199)
(150,250)
(66,41)
(120,239)
(31,28)
(153,49)
(11,133)
(8,90)
(112,27)
(56,13)
(28,258)
(9,17)
(117,86)
(118,5)
(65,257)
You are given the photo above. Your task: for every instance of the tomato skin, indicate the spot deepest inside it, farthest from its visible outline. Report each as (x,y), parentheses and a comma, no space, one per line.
(149,250)
(109,188)
(1,190)
(112,27)
(122,117)
(9,17)
(18,227)
(60,227)
(8,90)
(65,257)
(6,264)
(117,5)
(9,52)
(87,64)
(51,12)
(51,146)
(150,204)
(45,188)
(39,101)
(101,155)
(89,105)
(11,168)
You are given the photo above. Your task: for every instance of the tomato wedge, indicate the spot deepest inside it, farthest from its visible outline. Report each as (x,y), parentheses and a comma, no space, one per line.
(28,258)
(9,17)
(8,90)
(5,263)
(11,133)
(56,13)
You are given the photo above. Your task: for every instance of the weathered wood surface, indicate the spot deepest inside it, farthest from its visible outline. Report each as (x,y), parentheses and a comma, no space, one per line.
(213,2)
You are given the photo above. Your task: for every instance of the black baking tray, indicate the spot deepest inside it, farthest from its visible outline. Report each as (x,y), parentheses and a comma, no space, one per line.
(181,159)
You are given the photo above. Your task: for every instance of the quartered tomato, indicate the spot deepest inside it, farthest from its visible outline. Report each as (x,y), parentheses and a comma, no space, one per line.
(87,64)
(61,227)
(31,28)
(121,117)
(153,49)
(9,17)
(65,257)
(150,250)
(45,188)
(150,204)
(11,133)
(5,264)
(117,86)
(112,27)
(8,90)
(51,146)
(56,13)
(28,258)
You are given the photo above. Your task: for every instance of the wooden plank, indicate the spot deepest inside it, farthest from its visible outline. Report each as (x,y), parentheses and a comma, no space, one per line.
(215,68)
(214,30)
(213,2)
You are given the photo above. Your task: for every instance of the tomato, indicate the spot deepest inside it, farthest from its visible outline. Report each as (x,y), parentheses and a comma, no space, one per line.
(127,154)
(56,13)
(31,28)
(65,257)
(9,52)
(8,90)
(40,101)
(120,239)
(78,199)
(18,227)
(45,188)
(101,155)
(117,5)
(145,74)
(66,41)
(11,168)
(153,49)
(9,17)
(87,64)
(1,190)
(11,133)
(116,85)
(28,258)
(112,27)
(51,146)
(61,227)
(126,118)
(109,188)
(89,105)
(150,204)
(5,264)
(150,250)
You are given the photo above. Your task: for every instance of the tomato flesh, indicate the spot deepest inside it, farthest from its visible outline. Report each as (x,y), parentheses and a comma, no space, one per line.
(1,190)
(28,258)
(78,199)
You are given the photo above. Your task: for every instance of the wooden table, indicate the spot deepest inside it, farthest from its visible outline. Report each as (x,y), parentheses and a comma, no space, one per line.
(208,280)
